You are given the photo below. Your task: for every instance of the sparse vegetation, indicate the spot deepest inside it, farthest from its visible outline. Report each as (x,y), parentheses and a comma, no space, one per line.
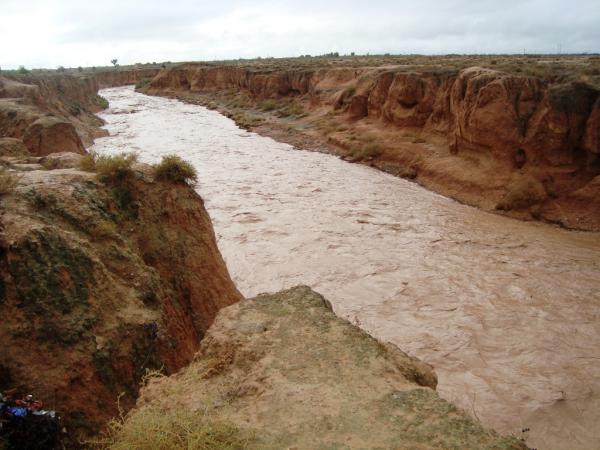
(245,120)
(88,162)
(8,182)
(102,102)
(142,83)
(369,151)
(50,163)
(292,109)
(268,105)
(174,169)
(102,230)
(523,192)
(115,167)
(109,167)
(154,429)
(75,109)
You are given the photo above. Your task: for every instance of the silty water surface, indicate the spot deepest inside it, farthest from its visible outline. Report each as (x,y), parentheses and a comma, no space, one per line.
(507,312)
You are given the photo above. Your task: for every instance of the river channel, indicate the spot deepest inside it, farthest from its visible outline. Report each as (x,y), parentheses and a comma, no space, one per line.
(507,312)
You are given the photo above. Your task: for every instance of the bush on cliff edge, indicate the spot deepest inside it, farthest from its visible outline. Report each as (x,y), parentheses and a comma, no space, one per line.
(174,169)
(109,167)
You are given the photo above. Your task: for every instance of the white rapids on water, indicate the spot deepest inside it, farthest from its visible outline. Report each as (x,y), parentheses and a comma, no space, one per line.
(507,312)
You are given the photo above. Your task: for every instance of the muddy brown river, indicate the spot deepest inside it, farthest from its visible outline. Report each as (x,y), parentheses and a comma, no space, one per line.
(507,312)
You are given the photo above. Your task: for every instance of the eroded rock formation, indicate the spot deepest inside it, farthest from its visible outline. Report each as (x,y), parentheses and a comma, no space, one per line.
(284,370)
(473,130)
(100,282)
(50,113)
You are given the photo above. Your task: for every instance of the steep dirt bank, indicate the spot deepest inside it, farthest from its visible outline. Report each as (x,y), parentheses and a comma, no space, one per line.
(114,78)
(55,112)
(508,142)
(50,113)
(100,281)
(285,372)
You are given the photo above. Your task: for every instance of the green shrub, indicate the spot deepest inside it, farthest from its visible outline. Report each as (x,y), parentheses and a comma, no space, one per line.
(246,121)
(75,109)
(174,169)
(109,167)
(88,162)
(268,105)
(8,182)
(102,102)
(293,109)
(115,167)
(142,83)
(369,151)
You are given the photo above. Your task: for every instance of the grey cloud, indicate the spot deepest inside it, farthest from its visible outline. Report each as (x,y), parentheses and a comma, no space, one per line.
(186,29)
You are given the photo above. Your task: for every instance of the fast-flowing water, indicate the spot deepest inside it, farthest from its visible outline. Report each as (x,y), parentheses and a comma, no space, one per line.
(507,312)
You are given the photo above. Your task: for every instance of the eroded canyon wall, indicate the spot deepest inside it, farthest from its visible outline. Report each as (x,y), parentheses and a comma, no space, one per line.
(519,118)
(50,113)
(506,141)
(113,78)
(99,282)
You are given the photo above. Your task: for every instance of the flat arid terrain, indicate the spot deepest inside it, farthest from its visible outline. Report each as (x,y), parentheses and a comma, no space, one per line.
(430,222)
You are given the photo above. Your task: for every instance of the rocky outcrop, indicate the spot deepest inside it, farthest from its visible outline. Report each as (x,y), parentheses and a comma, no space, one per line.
(50,112)
(55,112)
(99,282)
(476,127)
(50,134)
(285,372)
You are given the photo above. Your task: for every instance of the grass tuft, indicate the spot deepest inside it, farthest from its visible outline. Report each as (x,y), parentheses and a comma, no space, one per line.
(109,167)
(142,83)
(366,152)
(102,102)
(115,167)
(88,162)
(154,429)
(268,105)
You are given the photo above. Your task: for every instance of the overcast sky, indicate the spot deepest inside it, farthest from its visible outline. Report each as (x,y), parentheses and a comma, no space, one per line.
(49,33)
